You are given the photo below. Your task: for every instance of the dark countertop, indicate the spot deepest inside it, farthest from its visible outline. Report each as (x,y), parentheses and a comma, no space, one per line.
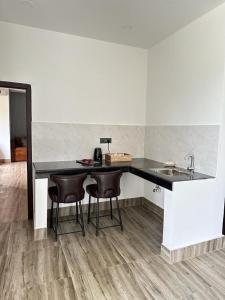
(139,166)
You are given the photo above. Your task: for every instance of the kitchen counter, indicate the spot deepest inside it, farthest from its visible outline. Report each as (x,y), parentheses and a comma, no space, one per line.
(190,202)
(138,166)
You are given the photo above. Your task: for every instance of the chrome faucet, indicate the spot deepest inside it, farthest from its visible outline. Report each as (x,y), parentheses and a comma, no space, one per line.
(191,159)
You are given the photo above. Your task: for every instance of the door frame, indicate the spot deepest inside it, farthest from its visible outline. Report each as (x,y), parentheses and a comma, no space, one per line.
(27,88)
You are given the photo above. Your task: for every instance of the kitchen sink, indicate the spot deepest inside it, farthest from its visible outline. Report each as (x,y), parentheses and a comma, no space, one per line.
(171,171)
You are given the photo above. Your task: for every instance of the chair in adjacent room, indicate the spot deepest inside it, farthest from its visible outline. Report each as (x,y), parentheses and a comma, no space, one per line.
(68,189)
(107,187)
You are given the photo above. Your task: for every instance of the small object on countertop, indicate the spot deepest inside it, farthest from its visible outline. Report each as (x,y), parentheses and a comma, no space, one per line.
(170,164)
(88,162)
(97,155)
(113,157)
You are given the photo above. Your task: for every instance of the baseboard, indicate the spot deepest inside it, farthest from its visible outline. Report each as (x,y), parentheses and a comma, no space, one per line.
(104,205)
(152,207)
(5,161)
(176,255)
(40,234)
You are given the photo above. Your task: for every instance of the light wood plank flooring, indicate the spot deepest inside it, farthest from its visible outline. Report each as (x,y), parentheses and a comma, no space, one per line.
(13,192)
(115,265)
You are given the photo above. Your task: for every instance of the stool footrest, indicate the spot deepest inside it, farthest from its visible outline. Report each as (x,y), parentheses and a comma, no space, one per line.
(94,217)
(66,232)
(114,225)
(53,227)
(97,217)
(78,220)
(69,220)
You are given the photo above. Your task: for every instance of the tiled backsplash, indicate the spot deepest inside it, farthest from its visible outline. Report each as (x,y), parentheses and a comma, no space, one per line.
(59,141)
(165,143)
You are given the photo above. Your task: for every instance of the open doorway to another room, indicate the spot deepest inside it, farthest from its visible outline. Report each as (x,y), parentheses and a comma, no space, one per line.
(15,153)
(18,130)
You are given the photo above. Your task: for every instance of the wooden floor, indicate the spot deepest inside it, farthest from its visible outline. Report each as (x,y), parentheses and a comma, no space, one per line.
(13,192)
(116,265)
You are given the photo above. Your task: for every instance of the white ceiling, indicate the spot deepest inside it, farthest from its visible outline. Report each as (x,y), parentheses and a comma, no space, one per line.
(140,23)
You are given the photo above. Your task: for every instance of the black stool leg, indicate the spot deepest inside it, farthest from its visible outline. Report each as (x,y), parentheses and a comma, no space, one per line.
(89,209)
(51,215)
(77,213)
(118,209)
(111,208)
(57,221)
(81,218)
(97,217)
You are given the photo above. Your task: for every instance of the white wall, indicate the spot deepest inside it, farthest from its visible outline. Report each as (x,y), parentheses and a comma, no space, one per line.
(76,79)
(81,80)
(186,87)
(221,149)
(186,74)
(4,127)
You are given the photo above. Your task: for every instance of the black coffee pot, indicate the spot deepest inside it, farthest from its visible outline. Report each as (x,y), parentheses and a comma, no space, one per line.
(98,155)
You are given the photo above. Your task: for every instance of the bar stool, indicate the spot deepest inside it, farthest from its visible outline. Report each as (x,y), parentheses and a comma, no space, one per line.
(108,186)
(68,189)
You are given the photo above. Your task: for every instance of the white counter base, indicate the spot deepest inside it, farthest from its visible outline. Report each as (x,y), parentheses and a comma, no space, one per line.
(193,213)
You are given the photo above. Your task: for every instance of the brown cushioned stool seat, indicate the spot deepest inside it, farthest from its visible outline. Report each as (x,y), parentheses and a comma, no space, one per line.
(68,189)
(108,186)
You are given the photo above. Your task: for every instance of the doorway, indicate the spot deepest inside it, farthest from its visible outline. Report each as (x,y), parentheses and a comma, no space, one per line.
(20,135)
(18,125)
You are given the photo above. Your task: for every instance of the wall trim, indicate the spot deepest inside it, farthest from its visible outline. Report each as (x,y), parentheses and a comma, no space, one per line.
(40,234)
(5,161)
(155,209)
(176,255)
(103,205)
(180,125)
(80,124)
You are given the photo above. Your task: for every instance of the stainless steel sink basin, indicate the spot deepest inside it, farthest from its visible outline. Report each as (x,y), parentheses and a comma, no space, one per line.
(171,171)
